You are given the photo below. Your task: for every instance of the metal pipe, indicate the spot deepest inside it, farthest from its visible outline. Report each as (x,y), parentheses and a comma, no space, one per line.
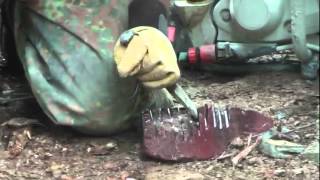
(309,64)
(249,68)
(313,47)
(298,30)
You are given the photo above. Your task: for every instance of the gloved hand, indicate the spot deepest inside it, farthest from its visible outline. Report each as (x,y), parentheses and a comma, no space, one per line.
(146,53)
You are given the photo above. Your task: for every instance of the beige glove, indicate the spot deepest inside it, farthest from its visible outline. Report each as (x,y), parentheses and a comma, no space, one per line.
(149,55)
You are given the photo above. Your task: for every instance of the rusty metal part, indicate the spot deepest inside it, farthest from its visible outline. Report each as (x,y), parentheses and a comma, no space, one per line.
(176,137)
(299,30)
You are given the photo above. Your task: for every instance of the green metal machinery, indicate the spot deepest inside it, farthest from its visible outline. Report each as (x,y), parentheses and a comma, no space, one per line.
(224,34)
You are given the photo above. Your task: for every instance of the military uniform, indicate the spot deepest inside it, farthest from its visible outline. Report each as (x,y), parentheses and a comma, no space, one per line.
(66,48)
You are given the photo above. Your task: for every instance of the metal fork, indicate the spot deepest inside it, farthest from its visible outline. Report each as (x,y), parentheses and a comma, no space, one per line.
(221,117)
(160,114)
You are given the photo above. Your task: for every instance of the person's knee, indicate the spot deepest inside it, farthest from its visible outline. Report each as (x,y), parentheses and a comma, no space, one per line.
(104,127)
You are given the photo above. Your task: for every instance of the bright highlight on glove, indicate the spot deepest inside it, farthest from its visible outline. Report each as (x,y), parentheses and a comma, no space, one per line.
(145,52)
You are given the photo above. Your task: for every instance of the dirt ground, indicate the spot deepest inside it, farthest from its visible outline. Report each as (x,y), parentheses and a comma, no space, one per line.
(59,153)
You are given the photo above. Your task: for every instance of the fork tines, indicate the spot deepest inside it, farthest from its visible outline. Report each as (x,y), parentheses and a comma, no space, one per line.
(220,117)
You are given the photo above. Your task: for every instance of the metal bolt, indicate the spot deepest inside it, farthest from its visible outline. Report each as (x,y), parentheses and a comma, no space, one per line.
(169,112)
(3,60)
(225,15)
(150,113)
(126,37)
(287,25)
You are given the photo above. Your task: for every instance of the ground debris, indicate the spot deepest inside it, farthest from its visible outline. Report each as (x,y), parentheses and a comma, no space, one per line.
(280,172)
(237,142)
(279,148)
(66,177)
(244,153)
(115,166)
(100,150)
(165,172)
(18,141)
(21,122)
(16,174)
(267,91)
(16,133)
(56,169)
(312,152)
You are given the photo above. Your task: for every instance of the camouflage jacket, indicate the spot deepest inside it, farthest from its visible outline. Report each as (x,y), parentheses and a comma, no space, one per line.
(66,49)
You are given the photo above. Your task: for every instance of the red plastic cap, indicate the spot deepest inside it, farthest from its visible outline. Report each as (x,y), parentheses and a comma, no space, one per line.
(208,53)
(192,55)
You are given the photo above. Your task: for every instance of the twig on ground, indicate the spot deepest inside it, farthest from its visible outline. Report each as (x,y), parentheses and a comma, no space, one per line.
(7,100)
(249,139)
(300,127)
(244,153)
(224,156)
(284,136)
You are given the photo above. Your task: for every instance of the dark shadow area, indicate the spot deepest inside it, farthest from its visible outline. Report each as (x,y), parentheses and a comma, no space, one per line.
(145,13)
(10,62)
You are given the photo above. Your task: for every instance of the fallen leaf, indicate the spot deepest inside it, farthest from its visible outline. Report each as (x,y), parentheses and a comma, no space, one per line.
(124,175)
(18,141)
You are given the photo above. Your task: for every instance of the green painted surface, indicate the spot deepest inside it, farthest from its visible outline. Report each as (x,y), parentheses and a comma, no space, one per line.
(66,50)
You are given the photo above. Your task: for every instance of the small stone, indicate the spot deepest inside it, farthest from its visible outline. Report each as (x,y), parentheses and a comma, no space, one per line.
(240,166)
(296,123)
(280,115)
(111,145)
(291,119)
(237,142)
(210,168)
(280,172)
(111,166)
(194,166)
(298,171)
(47,156)
(130,178)
(277,57)
(309,136)
(55,169)
(124,175)
(281,162)
(89,149)
(296,137)
(252,161)
(218,175)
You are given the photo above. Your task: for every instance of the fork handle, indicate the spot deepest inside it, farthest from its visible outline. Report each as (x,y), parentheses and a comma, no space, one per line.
(184,99)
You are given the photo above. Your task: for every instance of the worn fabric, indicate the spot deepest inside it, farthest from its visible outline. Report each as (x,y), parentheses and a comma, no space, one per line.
(66,49)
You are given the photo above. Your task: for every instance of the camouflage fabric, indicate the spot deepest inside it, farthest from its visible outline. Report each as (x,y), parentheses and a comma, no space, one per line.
(66,50)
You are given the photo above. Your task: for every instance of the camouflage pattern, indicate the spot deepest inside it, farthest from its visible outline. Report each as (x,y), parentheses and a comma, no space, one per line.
(66,49)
